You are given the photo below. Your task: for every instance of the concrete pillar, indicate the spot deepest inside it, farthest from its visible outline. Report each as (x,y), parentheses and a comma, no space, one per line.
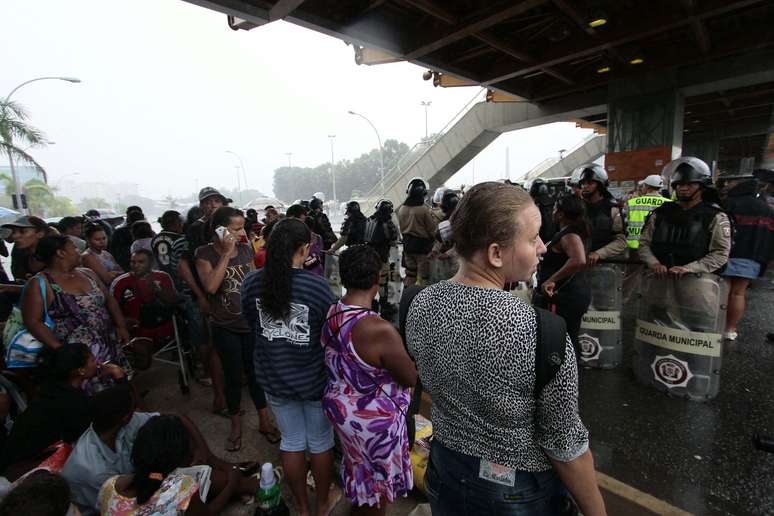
(645,128)
(704,145)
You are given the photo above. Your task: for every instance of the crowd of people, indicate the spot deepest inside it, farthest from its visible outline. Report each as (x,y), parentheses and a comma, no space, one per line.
(254,305)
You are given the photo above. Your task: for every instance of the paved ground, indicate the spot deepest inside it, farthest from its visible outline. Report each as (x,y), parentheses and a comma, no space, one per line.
(695,456)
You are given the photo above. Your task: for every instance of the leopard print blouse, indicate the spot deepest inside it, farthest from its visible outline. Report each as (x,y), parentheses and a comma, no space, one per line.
(475,353)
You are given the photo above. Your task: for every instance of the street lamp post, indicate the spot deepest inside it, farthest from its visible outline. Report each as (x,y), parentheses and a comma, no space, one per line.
(289,154)
(14,177)
(426,104)
(241,164)
(381,151)
(333,169)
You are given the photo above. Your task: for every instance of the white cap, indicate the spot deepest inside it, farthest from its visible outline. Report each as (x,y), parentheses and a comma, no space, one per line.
(653,181)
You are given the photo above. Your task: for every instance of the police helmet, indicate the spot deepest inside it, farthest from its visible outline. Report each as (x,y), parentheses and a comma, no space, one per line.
(417,187)
(352,207)
(592,172)
(315,203)
(575,177)
(538,187)
(449,201)
(319,195)
(688,170)
(654,181)
(438,195)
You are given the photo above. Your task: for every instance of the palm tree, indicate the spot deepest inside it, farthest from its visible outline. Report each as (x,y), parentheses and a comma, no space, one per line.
(16,134)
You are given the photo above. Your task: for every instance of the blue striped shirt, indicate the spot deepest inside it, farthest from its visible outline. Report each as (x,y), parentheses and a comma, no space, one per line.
(289,359)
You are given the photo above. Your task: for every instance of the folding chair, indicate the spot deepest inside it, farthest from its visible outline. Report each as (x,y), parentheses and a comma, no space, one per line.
(182,357)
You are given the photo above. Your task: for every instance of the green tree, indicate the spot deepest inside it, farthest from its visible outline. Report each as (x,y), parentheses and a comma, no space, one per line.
(16,134)
(39,197)
(358,175)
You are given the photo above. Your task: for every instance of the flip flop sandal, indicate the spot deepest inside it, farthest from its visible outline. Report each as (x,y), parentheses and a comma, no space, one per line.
(273,436)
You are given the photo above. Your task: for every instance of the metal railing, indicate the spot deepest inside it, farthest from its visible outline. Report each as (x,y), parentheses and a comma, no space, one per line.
(420,149)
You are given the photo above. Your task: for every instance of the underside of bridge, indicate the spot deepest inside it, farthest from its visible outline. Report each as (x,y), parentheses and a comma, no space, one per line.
(664,77)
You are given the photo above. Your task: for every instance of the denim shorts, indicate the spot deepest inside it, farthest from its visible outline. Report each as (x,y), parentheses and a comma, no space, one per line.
(455,488)
(742,268)
(303,425)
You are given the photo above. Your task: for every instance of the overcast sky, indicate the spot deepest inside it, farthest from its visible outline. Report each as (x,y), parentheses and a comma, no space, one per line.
(168,88)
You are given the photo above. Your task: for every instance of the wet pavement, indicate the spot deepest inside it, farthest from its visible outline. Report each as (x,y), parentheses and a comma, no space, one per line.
(697,456)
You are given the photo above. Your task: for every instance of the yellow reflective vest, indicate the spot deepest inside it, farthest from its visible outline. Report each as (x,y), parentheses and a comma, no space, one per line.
(638,210)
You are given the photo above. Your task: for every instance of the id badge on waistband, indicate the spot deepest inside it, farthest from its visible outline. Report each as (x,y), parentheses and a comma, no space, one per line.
(496,473)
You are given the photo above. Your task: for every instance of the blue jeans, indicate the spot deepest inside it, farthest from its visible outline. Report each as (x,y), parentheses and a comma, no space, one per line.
(455,489)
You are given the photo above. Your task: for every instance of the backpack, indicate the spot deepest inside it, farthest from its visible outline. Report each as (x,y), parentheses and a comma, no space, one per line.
(549,350)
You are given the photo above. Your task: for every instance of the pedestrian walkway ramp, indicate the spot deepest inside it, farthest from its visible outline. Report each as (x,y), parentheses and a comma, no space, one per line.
(590,149)
(477,125)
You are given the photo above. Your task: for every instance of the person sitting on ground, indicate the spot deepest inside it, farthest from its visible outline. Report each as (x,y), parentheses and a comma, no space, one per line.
(285,306)
(79,305)
(369,376)
(72,227)
(42,493)
(162,481)
(142,235)
(171,229)
(492,425)
(97,258)
(147,298)
(104,450)
(313,262)
(121,239)
(61,413)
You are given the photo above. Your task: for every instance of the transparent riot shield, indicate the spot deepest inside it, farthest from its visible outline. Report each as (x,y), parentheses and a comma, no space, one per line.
(678,339)
(391,287)
(332,274)
(600,331)
(442,269)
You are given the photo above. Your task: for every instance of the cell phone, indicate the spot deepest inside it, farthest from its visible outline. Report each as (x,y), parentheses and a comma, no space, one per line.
(220,231)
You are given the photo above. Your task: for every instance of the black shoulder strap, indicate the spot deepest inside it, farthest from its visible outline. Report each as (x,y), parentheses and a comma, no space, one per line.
(550,348)
(409,293)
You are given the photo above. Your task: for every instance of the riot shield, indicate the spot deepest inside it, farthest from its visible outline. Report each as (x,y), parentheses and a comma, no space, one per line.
(391,287)
(679,335)
(600,331)
(442,269)
(332,274)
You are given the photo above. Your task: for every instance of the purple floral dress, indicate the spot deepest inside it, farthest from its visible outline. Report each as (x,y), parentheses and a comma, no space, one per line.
(84,319)
(366,407)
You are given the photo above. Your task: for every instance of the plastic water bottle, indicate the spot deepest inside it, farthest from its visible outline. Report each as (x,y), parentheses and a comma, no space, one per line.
(269,497)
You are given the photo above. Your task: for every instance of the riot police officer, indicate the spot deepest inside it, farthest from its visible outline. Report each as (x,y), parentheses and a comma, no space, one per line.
(607,229)
(417,225)
(691,234)
(545,203)
(352,229)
